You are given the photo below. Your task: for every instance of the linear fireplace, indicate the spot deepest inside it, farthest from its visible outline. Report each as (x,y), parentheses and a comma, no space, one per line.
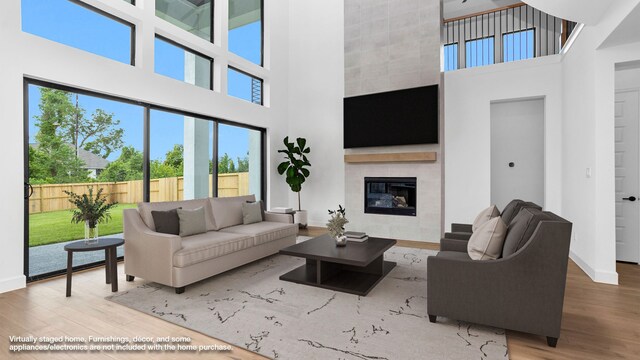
(390,195)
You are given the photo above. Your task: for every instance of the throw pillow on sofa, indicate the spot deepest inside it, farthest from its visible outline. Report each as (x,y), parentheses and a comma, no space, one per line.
(264,217)
(166,222)
(192,222)
(484,216)
(251,213)
(486,242)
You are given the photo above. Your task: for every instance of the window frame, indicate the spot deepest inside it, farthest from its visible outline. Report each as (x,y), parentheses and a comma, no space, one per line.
(212,20)
(457,60)
(132,27)
(493,49)
(187,49)
(230,67)
(533,29)
(146,153)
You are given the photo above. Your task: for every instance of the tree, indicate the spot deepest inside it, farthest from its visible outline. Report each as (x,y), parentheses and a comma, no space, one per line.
(243,164)
(128,166)
(175,159)
(226,165)
(52,160)
(99,134)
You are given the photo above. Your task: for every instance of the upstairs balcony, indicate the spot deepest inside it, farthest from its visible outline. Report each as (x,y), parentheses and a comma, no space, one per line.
(511,33)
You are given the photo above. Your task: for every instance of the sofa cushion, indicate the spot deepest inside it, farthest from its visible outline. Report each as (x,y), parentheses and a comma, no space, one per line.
(166,222)
(210,245)
(484,216)
(192,222)
(509,211)
(455,255)
(251,212)
(265,231)
(487,240)
(145,208)
(508,217)
(521,229)
(227,211)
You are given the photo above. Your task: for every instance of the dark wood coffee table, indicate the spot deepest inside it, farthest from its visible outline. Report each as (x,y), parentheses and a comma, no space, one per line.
(356,268)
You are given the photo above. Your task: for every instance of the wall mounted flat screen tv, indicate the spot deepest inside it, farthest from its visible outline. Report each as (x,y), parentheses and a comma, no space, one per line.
(401,117)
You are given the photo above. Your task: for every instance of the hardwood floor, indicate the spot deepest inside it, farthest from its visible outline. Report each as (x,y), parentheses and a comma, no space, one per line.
(600,321)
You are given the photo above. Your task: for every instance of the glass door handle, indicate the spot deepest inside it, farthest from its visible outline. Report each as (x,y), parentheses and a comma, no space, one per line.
(28,190)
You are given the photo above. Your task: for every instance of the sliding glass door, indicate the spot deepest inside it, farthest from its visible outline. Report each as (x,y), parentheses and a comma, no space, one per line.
(85,143)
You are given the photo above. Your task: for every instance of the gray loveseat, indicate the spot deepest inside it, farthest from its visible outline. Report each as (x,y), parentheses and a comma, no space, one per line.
(177,262)
(523,290)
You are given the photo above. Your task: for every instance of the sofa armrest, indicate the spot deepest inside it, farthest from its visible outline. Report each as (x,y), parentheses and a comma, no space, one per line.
(462,228)
(453,245)
(276,217)
(458,235)
(148,254)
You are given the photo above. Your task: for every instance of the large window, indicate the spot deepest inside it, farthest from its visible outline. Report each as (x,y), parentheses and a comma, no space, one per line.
(181,157)
(245,29)
(479,52)
(451,57)
(182,64)
(194,16)
(244,86)
(78,143)
(81,26)
(518,45)
(239,161)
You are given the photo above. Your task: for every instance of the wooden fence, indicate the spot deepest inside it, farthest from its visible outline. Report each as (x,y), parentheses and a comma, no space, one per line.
(51,197)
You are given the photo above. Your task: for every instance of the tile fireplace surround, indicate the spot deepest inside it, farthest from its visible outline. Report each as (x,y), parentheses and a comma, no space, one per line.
(425,226)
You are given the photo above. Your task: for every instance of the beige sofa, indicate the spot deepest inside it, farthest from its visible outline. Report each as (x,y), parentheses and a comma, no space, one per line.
(177,262)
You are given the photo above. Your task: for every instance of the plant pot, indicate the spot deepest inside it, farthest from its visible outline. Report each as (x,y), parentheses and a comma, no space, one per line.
(90,233)
(300,218)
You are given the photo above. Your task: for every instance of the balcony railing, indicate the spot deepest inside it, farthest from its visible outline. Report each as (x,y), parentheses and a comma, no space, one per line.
(511,33)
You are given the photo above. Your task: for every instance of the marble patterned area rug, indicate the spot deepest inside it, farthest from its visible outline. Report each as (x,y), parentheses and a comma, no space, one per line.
(251,308)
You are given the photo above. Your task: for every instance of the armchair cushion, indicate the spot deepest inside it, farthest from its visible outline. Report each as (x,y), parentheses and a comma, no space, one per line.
(521,229)
(454,245)
(484,216)
(509,211)
(486,241)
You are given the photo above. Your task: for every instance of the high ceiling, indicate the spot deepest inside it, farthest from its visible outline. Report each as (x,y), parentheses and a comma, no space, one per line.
(455,8)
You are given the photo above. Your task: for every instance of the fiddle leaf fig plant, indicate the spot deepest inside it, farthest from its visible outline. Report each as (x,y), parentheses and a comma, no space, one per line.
(295,166)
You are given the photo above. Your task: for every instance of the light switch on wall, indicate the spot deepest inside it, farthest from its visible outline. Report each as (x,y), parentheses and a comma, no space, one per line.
(588,172)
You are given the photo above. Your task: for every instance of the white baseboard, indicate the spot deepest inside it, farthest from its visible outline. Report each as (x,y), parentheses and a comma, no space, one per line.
(605,277)
(13,283)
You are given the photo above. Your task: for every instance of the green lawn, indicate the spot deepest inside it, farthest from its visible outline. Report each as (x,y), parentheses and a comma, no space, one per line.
(54,227)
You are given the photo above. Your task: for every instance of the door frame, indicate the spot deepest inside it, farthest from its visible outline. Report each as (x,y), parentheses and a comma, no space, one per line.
(616,92)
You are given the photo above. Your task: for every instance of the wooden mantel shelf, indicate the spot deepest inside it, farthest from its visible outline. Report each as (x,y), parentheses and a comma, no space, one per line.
(422,156)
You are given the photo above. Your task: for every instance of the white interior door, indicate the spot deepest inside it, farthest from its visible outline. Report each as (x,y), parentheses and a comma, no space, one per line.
(517,151)
(627,176)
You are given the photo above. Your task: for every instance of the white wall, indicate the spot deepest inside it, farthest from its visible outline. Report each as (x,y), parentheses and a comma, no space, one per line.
(316,89)
(467,128)
(46,60)
(589,91)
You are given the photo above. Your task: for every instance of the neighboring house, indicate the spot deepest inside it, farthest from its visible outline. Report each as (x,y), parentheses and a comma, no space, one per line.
(93,163)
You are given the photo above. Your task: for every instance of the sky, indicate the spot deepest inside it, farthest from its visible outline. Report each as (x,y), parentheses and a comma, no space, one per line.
(60,21)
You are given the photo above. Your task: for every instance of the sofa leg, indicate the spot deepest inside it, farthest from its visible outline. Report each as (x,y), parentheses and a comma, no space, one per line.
(432,318)
(130,278)
(180,290)
(552,341)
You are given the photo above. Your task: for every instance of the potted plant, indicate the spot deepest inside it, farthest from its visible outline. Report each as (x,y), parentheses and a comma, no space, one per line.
(295,169)
(90,210)
(336,224)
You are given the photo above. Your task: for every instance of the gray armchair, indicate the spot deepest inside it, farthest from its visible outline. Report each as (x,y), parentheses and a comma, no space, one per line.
(522,291)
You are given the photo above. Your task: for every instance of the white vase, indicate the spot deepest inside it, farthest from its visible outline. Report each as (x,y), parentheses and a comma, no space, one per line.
(300,218)
(90,233)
